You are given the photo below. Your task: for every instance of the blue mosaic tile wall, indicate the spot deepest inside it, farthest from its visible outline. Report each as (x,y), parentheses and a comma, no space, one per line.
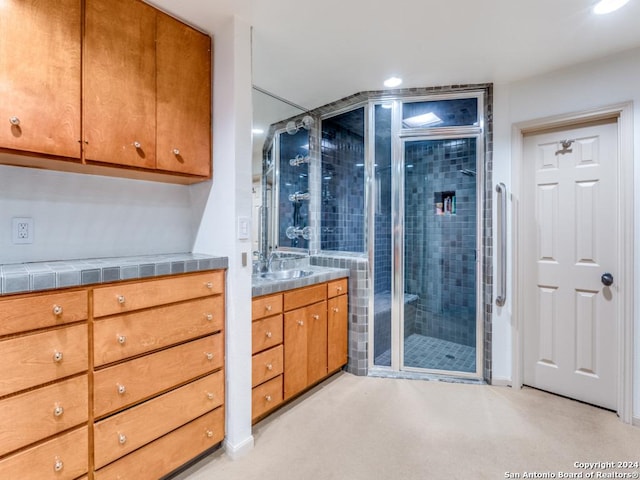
(293,179)
(440,240)
(342,211)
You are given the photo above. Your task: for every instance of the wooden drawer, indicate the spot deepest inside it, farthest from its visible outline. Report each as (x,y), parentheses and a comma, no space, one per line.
(305,296)
(267,365)
(41,311)
(64,457)
(122,336)
(124,384)
(124,297)
(36,359)
(266,397)
(266,333)
(266,306)
(337,287)
(144,423)
(32,416)
(164,455)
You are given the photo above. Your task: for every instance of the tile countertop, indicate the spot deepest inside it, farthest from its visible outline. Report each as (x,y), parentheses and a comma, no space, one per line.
(261,286)
(37,276)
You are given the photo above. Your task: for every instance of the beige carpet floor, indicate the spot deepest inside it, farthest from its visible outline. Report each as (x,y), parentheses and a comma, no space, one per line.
(352,428)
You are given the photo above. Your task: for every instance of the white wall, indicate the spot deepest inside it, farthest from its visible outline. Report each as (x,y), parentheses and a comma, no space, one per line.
(609,81)
(218,204)
(83,216)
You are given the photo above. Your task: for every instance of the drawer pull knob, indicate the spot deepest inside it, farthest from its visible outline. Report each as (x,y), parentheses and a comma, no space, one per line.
(269,366)
(209,285)
(209,316)
(14,121)
(137,145)
(122,389)
(267,398)
(209,355)
(121,299)
(301,322)
(209,433)
(316,316)
(122,339)
(269,334)
(267,308)
(176,151)
(339,288)
(58,411)
(58,466)
(210,396)
(57,357)
(57,310)
(122,438)
(336,309)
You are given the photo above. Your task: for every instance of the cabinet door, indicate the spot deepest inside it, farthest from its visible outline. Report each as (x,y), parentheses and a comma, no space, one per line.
(337,332)
(295,351)
(317,342)
(183,98)
(40,76)
(119,102)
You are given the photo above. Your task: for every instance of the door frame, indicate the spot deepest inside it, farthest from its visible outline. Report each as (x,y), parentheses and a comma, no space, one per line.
(623,115)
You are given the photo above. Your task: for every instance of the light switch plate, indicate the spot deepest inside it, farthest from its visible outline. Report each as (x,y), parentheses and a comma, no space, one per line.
(244,228)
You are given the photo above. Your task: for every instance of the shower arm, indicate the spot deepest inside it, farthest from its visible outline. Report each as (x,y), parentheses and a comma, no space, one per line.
(501,298)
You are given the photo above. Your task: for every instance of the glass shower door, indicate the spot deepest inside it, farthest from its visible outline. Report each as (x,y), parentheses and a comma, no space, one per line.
(440,241)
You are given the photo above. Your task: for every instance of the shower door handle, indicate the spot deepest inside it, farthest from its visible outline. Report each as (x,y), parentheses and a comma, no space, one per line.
(501,298)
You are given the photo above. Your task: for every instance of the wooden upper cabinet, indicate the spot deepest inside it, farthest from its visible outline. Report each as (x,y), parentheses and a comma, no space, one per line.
(119,104)
(183,57)
(40,76)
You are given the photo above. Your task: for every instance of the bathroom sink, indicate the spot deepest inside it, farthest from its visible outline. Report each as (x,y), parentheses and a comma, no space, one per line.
(285,274)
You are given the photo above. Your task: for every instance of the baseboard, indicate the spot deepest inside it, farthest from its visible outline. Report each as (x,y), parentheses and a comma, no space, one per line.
(635,421)
(241,449)
(501,382)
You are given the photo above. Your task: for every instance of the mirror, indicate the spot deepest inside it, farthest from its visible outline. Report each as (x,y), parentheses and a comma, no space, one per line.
(268,110)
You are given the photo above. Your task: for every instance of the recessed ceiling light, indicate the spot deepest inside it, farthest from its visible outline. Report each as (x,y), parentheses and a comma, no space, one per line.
(608,6)
(392,82)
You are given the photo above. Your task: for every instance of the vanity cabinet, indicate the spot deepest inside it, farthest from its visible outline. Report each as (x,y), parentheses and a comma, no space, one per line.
(44,396)
(40,77)
(308,328)
(158,368)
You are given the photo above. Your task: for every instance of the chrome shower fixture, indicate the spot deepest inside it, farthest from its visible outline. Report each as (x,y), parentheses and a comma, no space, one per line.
(295,232)
(306,123)
(299,160)
(466,171)
(296,197)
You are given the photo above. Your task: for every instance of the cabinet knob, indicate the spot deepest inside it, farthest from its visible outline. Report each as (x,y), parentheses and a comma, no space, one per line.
(210,396)
(209,316)
(137,145)
(336,309)
(58,411)
(267,398)
(58,465)
(57,357)
(209,285)
(315,316)
(301,322)
(14,121)
(209,355)
(57,310)
(339,288)
(121,389)
(209,433)
(267,308)
(269,334)
(122,438)
(269,366)
(122,339)
(121,299)
(176,151)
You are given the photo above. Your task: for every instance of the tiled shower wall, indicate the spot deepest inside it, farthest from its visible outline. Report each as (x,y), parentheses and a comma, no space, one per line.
(440,248)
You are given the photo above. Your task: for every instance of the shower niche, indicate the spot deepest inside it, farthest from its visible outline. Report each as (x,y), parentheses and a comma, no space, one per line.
(445,202)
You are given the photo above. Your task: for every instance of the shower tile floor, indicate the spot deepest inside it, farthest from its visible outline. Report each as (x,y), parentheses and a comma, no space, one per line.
(434,354)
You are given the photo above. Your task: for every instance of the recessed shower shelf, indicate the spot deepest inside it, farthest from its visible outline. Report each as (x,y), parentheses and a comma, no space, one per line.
(445,203)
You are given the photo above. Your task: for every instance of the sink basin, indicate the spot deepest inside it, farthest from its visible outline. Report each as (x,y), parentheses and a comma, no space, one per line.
(285,274)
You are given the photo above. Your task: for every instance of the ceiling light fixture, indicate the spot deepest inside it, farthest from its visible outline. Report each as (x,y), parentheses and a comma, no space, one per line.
(425,120)
(392,82)
(608,6)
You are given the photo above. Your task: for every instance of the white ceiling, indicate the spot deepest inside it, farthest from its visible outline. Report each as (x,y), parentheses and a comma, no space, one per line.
(315,52)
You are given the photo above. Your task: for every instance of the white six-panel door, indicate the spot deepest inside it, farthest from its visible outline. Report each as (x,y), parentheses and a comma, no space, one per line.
(570,219)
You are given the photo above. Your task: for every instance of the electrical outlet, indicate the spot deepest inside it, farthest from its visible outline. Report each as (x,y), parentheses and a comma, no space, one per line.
(22,230)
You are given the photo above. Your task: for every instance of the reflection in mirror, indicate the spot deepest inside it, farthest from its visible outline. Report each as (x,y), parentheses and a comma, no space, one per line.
(268,110)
